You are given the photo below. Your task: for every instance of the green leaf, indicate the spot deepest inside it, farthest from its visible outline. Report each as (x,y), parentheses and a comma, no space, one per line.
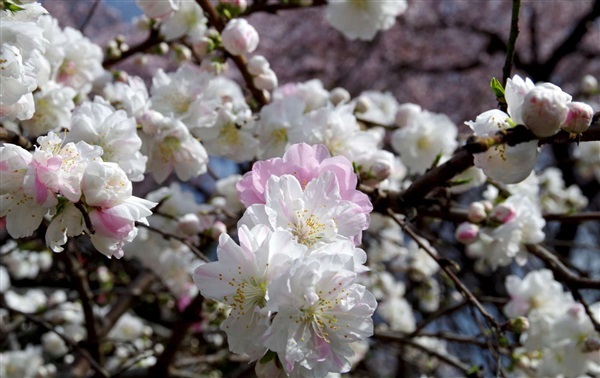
(12,7)
(497,88)
(460,182)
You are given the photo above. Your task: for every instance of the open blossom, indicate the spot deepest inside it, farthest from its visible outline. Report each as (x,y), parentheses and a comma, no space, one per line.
(187,20)
(240,279)
(538,290)
(99,124)
(424,136)
(320,311)
(507,164)
(362,19)
(170,147)
(314,215)
(158,9)
(304,162)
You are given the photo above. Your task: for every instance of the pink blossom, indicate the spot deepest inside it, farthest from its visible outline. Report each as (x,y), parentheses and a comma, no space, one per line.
(305,162)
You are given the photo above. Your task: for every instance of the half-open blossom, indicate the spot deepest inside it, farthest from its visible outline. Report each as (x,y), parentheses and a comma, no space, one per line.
(314,215)
(304,162)
(239,37)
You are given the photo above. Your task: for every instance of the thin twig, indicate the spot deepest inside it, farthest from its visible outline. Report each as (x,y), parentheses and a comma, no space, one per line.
(512,41)
(169,236)
(89,16)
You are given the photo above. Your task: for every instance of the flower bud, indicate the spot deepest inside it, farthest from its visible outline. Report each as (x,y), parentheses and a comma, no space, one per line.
(363,104)
(488,206)
(518,325)
(182,53)
(466,233)
(504,213)
(162,48)
(591,344)
(217,229)
(189,224)
(241,4)
(589,84)
(266,80)
(160,10)
(579,117)
(405,113)
(477,212)
(239,37)
(258,64)
(339,95)
(545,109)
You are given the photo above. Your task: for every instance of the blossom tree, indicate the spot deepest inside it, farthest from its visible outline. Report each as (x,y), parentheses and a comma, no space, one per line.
(179,206)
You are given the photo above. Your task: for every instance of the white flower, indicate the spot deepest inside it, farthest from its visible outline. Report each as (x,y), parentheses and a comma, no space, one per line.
(231,134)
(239,37)
(507,164)
(54,345)
(53,105)
(362,19)
(105,185)
(312,92)
(131,96)
(275,120)
(81,62)
(24,363)
(320,311)
(425,136)
(187,21)
(170,146)
(99,124)
(68,221)
(240,279)
(188,94)
(315,214)
(158,9)
(382,109)
(538,291)
(497,246)
(398,314)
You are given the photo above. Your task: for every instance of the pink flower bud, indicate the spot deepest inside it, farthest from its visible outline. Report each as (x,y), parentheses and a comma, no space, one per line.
(241,4)
(160,10)
(504,213)
(239,37)
(218,229)
(579,117)
(545,109)
(477,212)
(466,233)
(488,206)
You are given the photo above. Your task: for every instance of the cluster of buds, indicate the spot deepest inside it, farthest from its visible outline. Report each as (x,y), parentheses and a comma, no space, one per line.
(483,213)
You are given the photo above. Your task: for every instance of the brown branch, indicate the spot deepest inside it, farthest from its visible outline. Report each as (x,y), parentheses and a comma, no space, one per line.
(273,8)
(50,327)
(560,270)
(14,138)
(188,317)
(463,159)
(170,236)
(152,40)
(512,41)
(135,289)
(391,336)
(74,269)
(240,61)
(466,293)
(89,16)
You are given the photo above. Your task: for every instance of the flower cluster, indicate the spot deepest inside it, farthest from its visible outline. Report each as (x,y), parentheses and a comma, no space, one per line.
(559,339)
(498,234)
(290,284)
(70,183)
(544,109)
